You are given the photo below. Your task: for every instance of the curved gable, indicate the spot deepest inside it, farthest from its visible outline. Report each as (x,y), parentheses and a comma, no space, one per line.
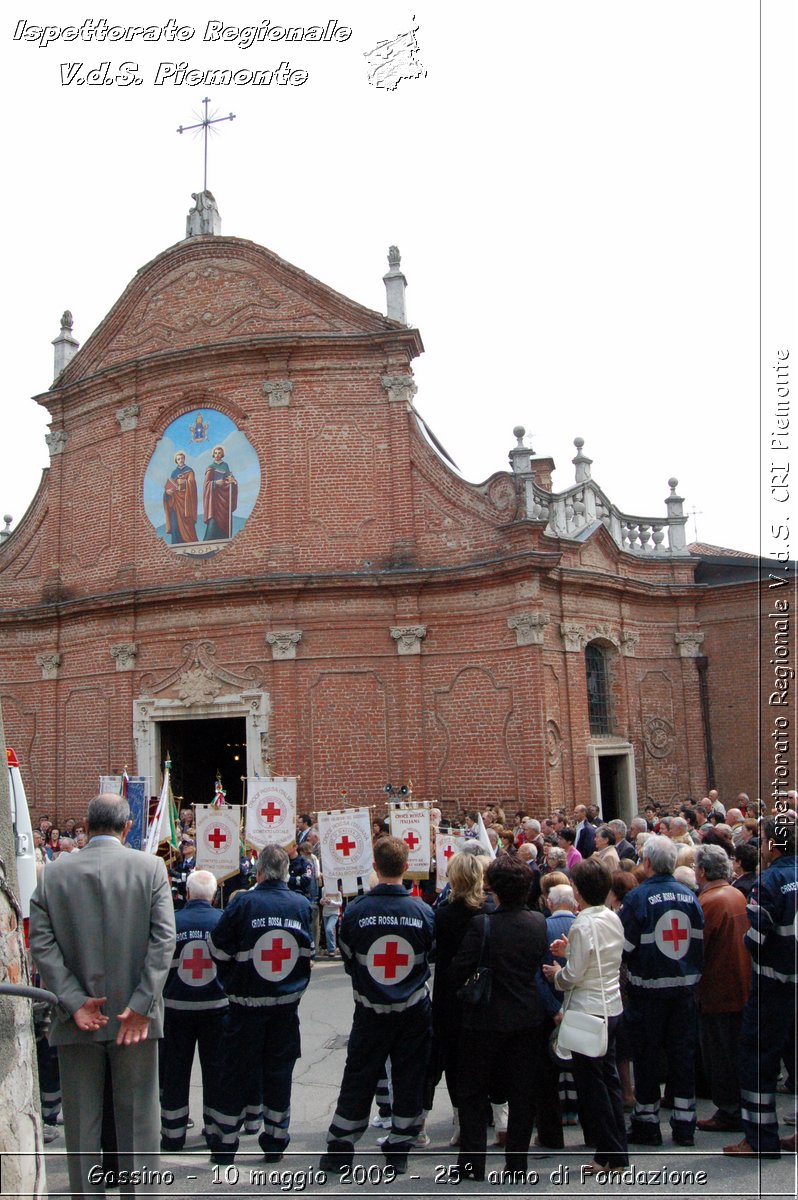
(212,290)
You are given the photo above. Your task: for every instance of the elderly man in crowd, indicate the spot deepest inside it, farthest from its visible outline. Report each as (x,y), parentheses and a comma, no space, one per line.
(724,985)
(605,848)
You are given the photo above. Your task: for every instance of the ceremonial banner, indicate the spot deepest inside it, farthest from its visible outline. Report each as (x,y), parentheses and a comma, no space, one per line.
(218,839)
(137,791)
(271,811)
(163,826)
(411,826)
(446,846)
(345,846)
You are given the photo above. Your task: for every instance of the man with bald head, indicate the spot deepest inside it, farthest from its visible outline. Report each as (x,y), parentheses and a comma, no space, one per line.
(102,932)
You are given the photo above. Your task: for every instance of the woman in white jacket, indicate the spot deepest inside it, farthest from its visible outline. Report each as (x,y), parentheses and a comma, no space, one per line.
(592,981)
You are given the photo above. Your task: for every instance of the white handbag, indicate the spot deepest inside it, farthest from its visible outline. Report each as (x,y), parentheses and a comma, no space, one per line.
(581,1032)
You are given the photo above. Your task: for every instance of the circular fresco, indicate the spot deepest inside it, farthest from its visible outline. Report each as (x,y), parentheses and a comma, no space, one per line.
(201,483)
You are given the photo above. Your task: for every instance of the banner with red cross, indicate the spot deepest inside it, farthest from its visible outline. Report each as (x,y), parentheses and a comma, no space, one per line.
(345,844)
(411,826)
(446,846)
(196,967)
(271,811)
(218,839)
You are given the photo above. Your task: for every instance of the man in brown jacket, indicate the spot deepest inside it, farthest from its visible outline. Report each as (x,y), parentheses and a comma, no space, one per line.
(724,985)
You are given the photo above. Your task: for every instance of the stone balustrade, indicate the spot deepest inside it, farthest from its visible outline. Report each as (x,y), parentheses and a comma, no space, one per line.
(580,507)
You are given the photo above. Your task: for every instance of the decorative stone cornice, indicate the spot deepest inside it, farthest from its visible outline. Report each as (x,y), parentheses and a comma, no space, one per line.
(399,387)
(689,643)
(629,642)
(56,441)
(279,392)
(124,655)
(128,417)
(529,628)
(408,638)
(49,664)
(284,643)
(574,636)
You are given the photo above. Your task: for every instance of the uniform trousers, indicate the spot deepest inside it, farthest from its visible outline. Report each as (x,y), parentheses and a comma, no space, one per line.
(184,1031)
(663,1024)
(767,1019)
(601,1099)
(259,1048)
(134,1080)
(405,1038)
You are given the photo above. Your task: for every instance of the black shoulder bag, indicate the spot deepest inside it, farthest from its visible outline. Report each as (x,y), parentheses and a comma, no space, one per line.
(476,990)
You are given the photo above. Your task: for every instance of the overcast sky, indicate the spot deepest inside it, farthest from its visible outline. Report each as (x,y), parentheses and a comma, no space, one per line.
(573,187)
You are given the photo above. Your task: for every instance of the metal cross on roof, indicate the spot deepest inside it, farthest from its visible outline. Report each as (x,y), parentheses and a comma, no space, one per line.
(205,125)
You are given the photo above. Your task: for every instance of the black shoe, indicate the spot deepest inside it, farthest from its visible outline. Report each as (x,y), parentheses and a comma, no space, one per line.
(335,1163)
(168,1147)
(469,1170)
(638,1138)
(683,1140)
(273,1156)
(222,1159)
(398,1162)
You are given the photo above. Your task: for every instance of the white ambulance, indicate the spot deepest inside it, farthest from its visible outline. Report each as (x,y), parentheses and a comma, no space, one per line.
(23,837)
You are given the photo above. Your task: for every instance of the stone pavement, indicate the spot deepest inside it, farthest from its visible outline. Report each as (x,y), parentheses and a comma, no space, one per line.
(326,1013)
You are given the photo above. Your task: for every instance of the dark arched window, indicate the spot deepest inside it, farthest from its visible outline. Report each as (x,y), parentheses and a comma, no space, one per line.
(598,689)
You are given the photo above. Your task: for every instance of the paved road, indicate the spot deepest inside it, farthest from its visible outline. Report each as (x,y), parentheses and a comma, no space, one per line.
(326,1013)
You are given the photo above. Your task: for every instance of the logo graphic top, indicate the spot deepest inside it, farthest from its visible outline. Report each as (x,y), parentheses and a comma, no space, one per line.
(196,967)
(672,934)
(347,844)
(390,959)
(272,812)
(274,955)
(216,838)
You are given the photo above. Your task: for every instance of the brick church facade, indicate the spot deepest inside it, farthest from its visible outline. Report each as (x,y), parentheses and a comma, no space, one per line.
(249,552)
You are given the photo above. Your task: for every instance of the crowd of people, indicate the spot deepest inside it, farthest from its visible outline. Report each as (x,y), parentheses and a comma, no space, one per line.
(676,931)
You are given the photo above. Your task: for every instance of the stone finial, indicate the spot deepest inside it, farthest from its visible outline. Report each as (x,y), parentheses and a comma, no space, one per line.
(581,462)
(284,643)
(5,533)
(203,219)
(65,346)
(408,638)
(279,392)
(49,664)
(395,285)
(124,655)
(521,455)
(676,534)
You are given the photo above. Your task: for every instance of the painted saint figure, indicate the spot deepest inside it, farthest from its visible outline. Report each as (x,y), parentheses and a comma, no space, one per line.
(180,502)
(220,497)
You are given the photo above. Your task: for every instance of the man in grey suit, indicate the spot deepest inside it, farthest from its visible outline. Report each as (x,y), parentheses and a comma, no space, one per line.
(102,934)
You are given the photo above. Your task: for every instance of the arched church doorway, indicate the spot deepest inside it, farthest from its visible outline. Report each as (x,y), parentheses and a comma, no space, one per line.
(198,749)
